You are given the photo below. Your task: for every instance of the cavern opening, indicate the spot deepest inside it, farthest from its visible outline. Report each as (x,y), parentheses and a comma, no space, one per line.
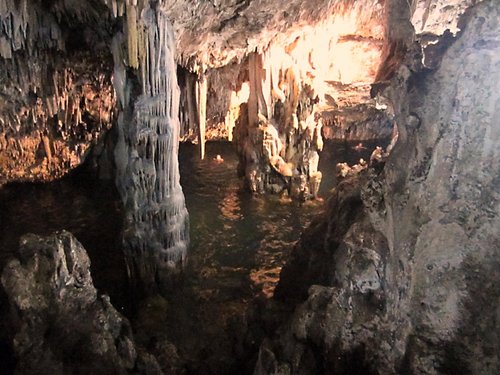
(249,187)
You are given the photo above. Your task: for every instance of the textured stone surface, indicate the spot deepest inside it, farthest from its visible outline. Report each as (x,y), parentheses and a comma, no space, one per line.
(156,235)
(410,284)
(214,33)
(55,84)
(62,325)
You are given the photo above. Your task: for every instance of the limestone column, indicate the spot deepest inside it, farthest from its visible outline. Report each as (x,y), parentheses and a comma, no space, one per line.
(156,232)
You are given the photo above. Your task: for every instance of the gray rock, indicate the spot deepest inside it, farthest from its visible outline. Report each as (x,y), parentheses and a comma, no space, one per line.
(407,281)
(62,325)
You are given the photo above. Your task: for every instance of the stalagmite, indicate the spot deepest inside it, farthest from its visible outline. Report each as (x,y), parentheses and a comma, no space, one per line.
(201,93)
(156,234)
(281,111)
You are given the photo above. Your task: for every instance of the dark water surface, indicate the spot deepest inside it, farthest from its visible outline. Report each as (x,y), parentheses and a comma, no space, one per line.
(239,243)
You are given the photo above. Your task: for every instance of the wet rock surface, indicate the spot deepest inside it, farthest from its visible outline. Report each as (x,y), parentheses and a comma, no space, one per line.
(406,279)
(59,322)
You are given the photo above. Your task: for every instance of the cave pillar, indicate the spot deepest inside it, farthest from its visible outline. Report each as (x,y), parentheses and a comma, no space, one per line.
(156,220)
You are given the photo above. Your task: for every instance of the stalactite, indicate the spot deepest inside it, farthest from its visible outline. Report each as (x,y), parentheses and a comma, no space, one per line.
(132,44)
(188,107)
(254,82)
(66,101)
(191,100)
(156,235)
(201,91)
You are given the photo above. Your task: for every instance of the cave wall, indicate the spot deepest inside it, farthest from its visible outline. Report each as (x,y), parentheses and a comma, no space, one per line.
(401,272)
(362,122)
(55,81)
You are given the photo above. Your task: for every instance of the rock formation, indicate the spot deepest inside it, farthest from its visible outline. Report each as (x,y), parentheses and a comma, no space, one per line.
(296,84)
(62,325)
(398,275)
(156,234)
(299,70)
(57,96)
(401,273)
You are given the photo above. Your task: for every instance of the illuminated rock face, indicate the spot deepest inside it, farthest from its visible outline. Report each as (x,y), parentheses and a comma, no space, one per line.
(279,136)
(156,234)
(57,95)
(304,78)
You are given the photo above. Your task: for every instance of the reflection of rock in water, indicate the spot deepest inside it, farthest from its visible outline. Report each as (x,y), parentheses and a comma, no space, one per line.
(266,280)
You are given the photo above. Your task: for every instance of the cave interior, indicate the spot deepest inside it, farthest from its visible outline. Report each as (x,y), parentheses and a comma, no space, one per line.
(249,187)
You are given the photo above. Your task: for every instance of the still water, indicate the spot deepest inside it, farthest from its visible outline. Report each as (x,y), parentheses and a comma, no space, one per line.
(239,243)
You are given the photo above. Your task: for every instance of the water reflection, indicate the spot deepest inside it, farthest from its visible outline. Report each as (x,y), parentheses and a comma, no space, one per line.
(230,207)
(248,235)
(233,231)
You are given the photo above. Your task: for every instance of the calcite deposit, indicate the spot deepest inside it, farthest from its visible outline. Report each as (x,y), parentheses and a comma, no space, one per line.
(57,95)
(157,234)
(308,81)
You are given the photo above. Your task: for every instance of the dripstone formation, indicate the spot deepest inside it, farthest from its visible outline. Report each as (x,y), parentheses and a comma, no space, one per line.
(57,96)
(156,234)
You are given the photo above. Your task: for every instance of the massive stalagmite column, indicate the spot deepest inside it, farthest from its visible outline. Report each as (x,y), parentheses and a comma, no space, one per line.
(156,230)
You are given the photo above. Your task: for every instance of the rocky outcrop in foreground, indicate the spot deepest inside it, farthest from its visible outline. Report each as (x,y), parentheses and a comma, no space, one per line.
(401,275)
(62,325)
